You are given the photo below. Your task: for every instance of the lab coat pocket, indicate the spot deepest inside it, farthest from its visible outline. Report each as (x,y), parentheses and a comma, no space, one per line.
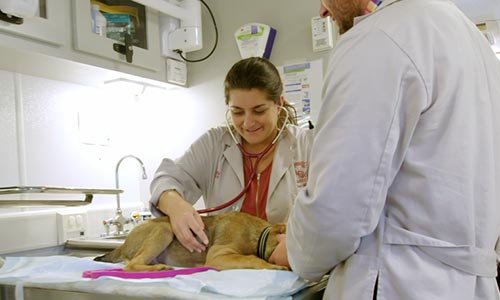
(466,258)
(359,273)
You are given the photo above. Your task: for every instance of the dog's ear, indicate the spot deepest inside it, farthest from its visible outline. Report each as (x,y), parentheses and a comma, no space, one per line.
(279,228)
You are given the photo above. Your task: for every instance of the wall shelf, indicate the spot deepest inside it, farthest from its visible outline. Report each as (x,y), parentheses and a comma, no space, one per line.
(37,190)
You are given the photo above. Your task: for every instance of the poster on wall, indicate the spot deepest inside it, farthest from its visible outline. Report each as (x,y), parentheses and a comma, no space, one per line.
(302,83)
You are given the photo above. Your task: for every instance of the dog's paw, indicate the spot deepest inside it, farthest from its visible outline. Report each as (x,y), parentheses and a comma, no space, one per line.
(278,267)
(162,267)
(146,268)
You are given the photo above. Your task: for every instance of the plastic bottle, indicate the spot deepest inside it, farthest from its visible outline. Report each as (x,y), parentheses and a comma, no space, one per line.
(98,21)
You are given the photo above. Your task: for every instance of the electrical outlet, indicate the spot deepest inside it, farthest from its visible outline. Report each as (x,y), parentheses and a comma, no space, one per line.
(70,225)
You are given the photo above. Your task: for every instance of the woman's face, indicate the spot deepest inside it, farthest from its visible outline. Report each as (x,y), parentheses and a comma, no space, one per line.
(254,116)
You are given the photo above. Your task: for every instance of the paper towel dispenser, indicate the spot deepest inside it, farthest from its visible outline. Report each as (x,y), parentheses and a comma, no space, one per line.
(180,25)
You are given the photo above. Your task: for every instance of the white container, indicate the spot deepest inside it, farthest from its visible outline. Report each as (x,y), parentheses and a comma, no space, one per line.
(98,21)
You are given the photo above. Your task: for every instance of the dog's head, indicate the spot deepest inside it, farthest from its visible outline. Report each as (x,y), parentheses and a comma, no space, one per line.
(272,241)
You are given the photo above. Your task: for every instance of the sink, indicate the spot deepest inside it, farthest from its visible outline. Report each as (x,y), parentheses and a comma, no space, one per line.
(59,250)
(115,237)
(96,243)
(79,247)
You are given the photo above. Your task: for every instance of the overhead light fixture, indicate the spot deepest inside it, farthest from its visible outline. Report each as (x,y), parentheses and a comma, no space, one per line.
(135,87)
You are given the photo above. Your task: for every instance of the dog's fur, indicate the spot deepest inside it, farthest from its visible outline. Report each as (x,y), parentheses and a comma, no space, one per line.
(234,237)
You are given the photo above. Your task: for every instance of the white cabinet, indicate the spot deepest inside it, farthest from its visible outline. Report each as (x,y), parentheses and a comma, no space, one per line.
(47,27)
(59,44)
(145,37)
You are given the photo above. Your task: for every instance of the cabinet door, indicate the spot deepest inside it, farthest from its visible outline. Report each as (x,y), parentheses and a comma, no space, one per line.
(146,47)
(47,26)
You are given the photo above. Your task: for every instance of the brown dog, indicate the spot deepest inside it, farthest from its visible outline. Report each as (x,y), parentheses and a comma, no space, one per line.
(237,241)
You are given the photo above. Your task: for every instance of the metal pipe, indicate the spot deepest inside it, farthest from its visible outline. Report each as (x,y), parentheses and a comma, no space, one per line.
(117,181)
(119,220)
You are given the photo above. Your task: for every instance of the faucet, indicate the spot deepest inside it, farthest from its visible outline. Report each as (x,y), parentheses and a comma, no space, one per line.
(119,220)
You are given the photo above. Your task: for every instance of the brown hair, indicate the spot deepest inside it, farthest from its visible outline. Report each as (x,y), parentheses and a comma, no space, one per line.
(259,73)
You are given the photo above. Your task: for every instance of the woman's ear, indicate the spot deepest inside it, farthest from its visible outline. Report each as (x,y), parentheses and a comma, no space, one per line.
(281,103)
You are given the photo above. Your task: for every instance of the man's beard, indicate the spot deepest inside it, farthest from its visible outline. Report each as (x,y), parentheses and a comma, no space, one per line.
(345,12)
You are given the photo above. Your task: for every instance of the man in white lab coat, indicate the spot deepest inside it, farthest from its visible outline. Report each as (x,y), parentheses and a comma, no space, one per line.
(403,197)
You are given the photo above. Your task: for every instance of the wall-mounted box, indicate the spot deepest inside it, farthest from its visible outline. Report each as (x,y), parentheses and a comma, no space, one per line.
(491,31)
(71,225)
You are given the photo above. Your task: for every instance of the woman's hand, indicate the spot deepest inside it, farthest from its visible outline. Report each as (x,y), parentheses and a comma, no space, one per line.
(186,223)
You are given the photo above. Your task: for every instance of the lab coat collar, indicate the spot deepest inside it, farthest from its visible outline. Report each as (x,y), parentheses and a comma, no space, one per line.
(233,155)
(283,159)
(384,4)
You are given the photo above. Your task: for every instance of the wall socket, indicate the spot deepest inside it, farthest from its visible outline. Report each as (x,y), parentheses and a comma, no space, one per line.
(71,225)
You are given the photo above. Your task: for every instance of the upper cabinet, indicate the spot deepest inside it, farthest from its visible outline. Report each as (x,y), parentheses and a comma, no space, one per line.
(120,30)
(46,26)
(96,41)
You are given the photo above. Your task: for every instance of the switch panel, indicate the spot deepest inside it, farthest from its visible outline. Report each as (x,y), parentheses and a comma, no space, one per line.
(70,225)
(322,33)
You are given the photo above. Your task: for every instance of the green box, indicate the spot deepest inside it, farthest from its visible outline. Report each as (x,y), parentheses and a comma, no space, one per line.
(117,25)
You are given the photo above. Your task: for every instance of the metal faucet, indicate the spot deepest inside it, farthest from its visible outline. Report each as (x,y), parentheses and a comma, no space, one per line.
(119,220)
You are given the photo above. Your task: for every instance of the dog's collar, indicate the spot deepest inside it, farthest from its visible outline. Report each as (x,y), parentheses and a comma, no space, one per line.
(261,245)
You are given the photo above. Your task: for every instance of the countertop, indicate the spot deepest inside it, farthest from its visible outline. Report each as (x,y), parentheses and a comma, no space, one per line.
(7,291)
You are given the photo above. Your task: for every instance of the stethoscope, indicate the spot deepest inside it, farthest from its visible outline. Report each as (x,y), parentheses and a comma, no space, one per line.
(253,167)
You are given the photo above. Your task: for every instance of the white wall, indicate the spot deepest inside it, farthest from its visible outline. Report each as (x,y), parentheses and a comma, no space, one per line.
(290,18)
(43,142)
(45,127)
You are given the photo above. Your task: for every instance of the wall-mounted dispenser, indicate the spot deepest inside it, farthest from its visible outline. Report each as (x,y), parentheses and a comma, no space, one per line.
(180,25)
(255,39)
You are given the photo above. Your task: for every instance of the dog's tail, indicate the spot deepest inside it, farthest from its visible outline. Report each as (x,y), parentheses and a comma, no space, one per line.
(112,257)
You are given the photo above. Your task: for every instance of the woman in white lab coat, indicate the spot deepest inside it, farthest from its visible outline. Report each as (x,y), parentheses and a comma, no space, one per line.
(215,168)
(403,197)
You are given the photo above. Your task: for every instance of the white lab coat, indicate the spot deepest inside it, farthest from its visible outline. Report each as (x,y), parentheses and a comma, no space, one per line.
(404,182)
(213,168)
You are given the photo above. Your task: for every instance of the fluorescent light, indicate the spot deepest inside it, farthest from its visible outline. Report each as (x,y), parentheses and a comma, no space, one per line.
(134,87)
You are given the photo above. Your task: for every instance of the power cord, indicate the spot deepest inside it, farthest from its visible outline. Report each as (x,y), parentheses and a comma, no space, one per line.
(179,51)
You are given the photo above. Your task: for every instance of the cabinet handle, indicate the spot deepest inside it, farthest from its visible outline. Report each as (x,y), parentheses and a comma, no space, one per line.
(11,19)
(126,49)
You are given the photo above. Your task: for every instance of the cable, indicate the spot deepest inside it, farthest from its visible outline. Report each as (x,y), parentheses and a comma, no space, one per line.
(179,51)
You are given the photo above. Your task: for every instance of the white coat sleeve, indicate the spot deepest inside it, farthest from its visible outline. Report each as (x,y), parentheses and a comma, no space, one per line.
(363,129)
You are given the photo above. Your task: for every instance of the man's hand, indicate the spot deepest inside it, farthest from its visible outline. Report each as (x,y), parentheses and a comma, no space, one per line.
(279,255)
